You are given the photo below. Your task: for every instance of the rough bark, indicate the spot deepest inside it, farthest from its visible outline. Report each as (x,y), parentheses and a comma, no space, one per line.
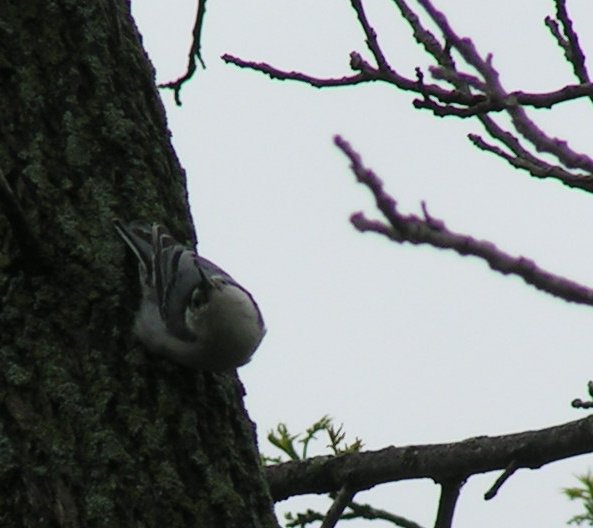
(92,431)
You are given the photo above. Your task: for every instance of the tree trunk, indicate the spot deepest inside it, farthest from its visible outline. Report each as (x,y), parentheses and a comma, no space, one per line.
(92,431)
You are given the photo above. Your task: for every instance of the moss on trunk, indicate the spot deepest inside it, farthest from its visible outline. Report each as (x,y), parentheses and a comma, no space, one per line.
(92,431)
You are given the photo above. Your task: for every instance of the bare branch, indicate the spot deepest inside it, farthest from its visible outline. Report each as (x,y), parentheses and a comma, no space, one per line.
(371,37)
(195,52)
(528,160)
(459,102)
(365,511)
(449,72)
(525,161)
(364,470)
(543,143)
(457,78)
(549,99)
(357,511)
(506,475)
(580,404)
(275,73)
(481,105)
(523,124)
(410,228)
(343,498)
(458,111)
(449,494)
(425,38)
(367,74)
(470,104)
(569,42)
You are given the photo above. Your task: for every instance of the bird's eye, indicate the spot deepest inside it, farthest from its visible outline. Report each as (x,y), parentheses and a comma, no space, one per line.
(199,298)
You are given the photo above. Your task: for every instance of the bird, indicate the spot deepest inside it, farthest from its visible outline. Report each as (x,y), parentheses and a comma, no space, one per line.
(191,311)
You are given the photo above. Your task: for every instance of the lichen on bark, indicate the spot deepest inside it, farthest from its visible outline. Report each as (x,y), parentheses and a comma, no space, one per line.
(92,431)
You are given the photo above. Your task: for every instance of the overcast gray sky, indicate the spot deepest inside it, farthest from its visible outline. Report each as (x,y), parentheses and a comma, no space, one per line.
(404,345)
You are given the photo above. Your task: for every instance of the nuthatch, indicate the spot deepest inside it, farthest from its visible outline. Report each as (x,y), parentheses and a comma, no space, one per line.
(191,310)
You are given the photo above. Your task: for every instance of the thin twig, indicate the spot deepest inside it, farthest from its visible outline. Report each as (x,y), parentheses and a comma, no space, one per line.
(474,103)
(357,511)
(366,511)
(569,42)
(569,92)
(195,52)
(482,104)
(496,98)
(536,167)
(343,497)
(491,99)
(415,230)
(577,403)
(523,124)
(506,475)
(458,111)
(371,36)
(367,74)
(457,79)
(544,100)
(425,38)
(275,73)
